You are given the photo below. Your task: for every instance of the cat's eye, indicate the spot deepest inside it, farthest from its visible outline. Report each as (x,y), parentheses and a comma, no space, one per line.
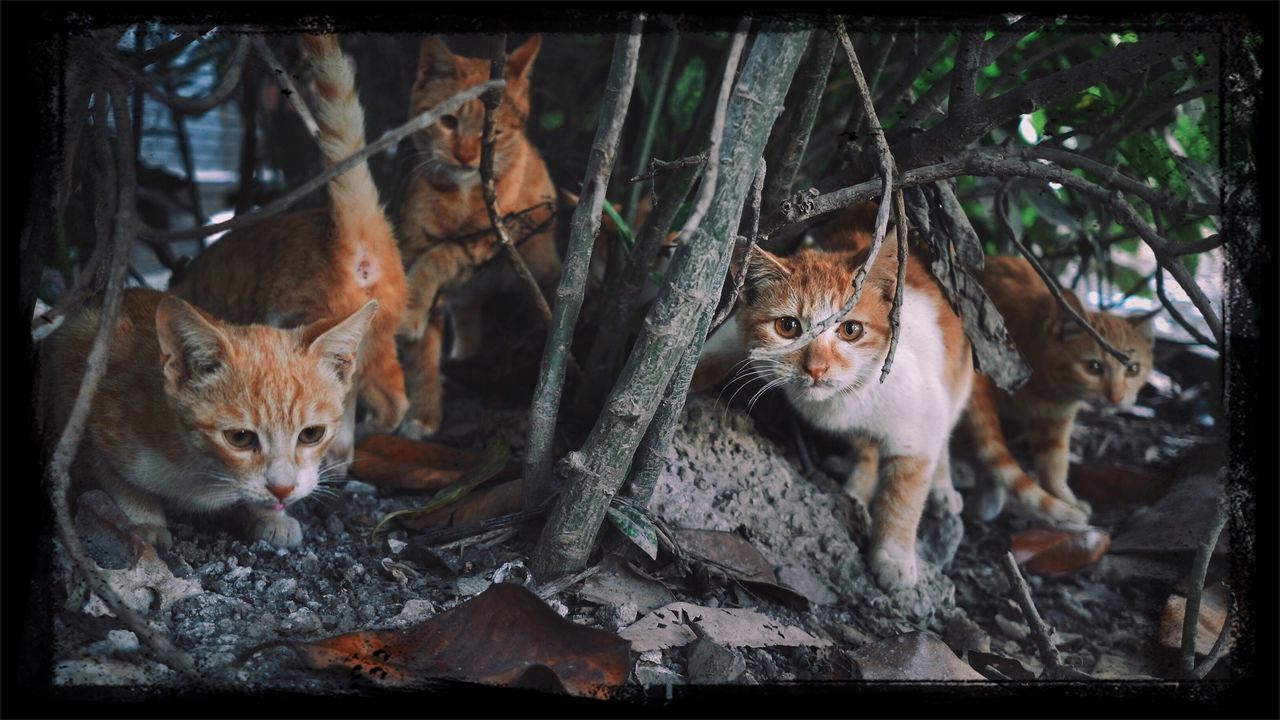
(1094,367)
(1132,369)
(787,327)
(241,439)
(849,330)
(449,122)
(311,435)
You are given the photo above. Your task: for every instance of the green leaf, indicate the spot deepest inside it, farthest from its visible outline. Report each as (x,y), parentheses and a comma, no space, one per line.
(686,93)
(493,458)
(1038,119)
(624,230)
(553,120)
(638,528)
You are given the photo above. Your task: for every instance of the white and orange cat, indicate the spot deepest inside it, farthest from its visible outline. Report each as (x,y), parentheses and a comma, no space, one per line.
(834,382)
(198,415)
(449,249)
(294,269)
(1068,371)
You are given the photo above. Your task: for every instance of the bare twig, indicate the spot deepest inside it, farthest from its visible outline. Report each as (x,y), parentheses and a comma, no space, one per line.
(1112,177)
(545,409)
(249,96)
(1012,74)
(1195,587)
(1051,284)
(284,202)
(756,188)
(1177,315)
(167,49)
(1124,124)
(1219,644)
(964,74)
(287,86)
(1040,631)
(887,169)
(805,94)
(221,92)
(895,312)
(95,368)
(658,166)
(1197,246)
(489,187)
(666,61)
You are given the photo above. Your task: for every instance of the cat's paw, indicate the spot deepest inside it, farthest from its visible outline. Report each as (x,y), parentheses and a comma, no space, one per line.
(1069,514)
(948,497)
(895,567)
(276,528)
(415,429)
(386,410)
(158,536)
(988,502)
(413,323)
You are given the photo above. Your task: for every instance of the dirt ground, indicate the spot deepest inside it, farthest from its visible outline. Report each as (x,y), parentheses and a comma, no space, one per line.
(220,598)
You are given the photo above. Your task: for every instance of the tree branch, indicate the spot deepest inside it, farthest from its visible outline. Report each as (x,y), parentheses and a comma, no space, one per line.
(1040,631)
(1177,315)
(666,61)
(545,408)
(1195,588)
(221,92)
(1111,176)
(287,86)
(895,312)
(805,94)
(284,202)
(756,187)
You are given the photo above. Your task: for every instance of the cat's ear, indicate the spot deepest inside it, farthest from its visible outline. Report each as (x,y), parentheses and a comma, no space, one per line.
(884,271)
(435,59)
(520,61)
(765,267)
(192,349)
(1144,325)
(336,343)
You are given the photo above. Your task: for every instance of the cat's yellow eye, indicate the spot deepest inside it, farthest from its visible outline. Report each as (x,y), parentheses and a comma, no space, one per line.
(1132,369)
(241,439)
(311,435)
(1094,367)
(787,327)
(849,330)
(448,122)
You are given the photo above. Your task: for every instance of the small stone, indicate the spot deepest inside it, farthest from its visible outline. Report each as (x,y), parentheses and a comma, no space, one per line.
(396,545)
(366,612)
(651,656)
(309,564)
(712,664)
(302,620)
(282,588)
(514,572)
(469,585)
(616,617)
(333,524)
(355,487)
(414,611)
(560,608)
(216,567)
(237,573)
(647,675)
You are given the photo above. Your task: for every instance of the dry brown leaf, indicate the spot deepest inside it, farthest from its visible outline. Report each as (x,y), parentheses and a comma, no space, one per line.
(1110,486)
(730,627)
(914,656)
(478,505)
(392,475)
(505,635)
(737,557)
(397,463)
(418,452)
(1053,551)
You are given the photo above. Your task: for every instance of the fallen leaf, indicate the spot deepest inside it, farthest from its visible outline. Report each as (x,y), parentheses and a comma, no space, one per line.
(737,557)
(731,627)
(1110,486)
(616,585)
(998,667)
(1054,551)
(490,502)
(915,655)
(418,452)
(1213,613)
(638,528)
(391,475)
(491,462)
(505,635)
(396,463)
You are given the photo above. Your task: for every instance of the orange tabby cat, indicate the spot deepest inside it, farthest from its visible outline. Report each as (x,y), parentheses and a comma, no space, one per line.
(834,382)
(1068,370)
(444,226)
(198,415)
(294,269)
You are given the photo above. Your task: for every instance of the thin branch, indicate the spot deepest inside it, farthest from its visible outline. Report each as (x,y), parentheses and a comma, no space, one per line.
(805,94)
(95,368)
(666,61)
(279,205)
(1177,315)
(657,166)
(882,58)
(249,96)
(287,86)
(545,409)
(1196,247)
(1050,283)
(964,74)
(1123,125)
(221,92)
(1219,644)
(887,169)
(1040,631)
(1195,586)
(757,186)
(489,187)
(1012,74)
(1111,176)
(166,50)
(895,312)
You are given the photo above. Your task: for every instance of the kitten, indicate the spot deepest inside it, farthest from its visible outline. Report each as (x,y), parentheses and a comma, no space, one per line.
(834,382)
(444,226)
(295,269)
(1068,371)
(194,414)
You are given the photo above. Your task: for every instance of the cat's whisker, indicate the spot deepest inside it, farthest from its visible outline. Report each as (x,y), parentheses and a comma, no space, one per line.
(760,393)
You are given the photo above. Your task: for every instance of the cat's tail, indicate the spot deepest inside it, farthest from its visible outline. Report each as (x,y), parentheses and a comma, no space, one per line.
(354,197)
(982,421)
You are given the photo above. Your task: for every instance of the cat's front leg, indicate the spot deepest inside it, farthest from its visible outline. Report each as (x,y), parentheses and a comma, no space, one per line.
(274,526)
(864,477)
(905,484)
(144,510)
(422,375)
(382,384)
(943,491)
(1050,441)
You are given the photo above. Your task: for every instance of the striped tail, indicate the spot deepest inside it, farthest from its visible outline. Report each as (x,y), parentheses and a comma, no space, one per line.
(983,422)
(341,119)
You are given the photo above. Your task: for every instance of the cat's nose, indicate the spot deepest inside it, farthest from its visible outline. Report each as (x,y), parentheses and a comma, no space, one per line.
(280,491)
(816,371)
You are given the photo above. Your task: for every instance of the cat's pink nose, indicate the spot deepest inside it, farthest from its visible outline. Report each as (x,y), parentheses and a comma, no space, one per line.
(816,371)
(280,491)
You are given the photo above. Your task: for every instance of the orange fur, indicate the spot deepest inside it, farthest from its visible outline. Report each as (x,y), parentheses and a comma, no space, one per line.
(301,267)
(177,383)
(1059,353)
(444,225)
